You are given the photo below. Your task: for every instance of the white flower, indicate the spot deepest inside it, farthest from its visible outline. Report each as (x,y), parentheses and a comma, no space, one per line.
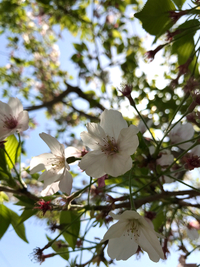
(12,118)
(166,158)
(192,233)
(192,230)
(56,175)
(181,133)
(195,151)
(131,231)
(142,127)
(113,142)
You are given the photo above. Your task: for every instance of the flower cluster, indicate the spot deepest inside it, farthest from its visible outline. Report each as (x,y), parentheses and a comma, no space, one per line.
(113,143)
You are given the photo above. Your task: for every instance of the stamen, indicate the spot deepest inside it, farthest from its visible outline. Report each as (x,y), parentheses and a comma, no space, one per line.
(10,122)
(56,163)
(109,145)
(133,230)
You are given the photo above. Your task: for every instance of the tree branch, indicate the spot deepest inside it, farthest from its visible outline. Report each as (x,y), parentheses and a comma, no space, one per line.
(59,98)
(19,192)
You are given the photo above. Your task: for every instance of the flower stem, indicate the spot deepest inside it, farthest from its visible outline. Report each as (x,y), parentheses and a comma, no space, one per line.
(169,128)
(88,200)
(130,191)
(18,175)
(66,228)
(132,103)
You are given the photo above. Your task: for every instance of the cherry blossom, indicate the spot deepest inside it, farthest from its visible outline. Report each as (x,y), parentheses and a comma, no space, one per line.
(142,127)
(192,230)
(181,133)
(12,118)
(165,159)
(113,142)
(56,175)
(132,230)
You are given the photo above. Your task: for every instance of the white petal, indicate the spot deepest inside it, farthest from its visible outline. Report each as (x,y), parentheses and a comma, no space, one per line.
(53,144)
(122,248)
(50,189)
(115,231)
(40,167)
(128,140)
(49,177)
(130,215)
(15,105)
(166,159)
(5,132)
(117,164)
(93,163)
(149,242)
(96,131)
(23,120)
(187,145)
(71,151)
(89,141)
(4,110)
(112,122)
(196,151)
(192,233)
(39,163)
(65,184)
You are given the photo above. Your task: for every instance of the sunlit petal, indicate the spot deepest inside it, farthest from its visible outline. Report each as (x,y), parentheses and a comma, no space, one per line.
(52,143)
(50,189)
(122,248)
(65,184)
(118,164)
(92,163)
(112,122)
(128,140)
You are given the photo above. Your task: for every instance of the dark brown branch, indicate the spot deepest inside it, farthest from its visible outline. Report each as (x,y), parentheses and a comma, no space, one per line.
(88,116)
(167,196)
(59,98)
(19,192)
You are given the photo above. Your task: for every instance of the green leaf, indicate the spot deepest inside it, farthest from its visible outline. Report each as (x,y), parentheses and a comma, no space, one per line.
(59,246)
(103,88)
(13,150)
(184,46)
(155,16)
(5,219)
(179,3)
(25,201)
(116,34)
(159,221)
(67,218)
(3,164)
(26,214)
(19,228)
(3,197)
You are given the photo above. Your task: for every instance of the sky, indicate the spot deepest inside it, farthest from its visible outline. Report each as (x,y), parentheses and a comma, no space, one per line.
(13,251)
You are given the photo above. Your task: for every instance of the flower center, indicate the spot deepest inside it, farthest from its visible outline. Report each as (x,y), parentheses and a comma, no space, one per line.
(56,163)
(109,146)
(132,229)
(10,122)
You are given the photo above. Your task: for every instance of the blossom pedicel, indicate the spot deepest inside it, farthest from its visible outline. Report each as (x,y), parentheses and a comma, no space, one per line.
(113,143)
